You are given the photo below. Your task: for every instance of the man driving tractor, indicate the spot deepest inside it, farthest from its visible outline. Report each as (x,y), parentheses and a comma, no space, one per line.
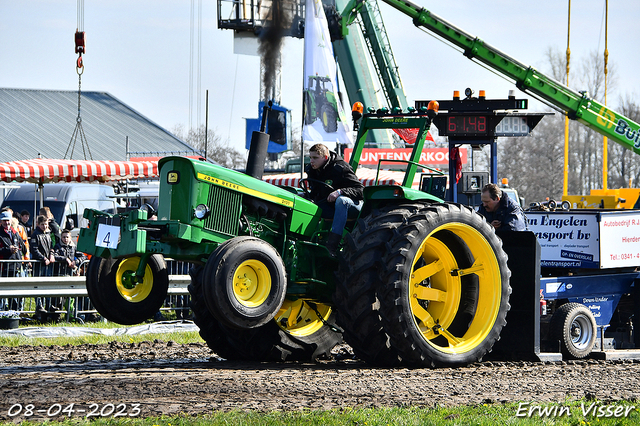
(335,188)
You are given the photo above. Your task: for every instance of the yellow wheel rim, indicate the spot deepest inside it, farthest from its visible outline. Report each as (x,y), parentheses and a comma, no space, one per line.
(251,283)
(126,269)
(435,289)
(299,318)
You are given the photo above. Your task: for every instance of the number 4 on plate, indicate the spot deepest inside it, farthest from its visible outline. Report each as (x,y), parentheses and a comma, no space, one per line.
(108,236)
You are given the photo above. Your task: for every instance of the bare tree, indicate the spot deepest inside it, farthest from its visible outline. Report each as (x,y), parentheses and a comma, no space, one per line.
(624,167)
(535,165)
(217,150)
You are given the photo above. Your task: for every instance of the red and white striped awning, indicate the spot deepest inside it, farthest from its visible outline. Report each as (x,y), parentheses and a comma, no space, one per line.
(366,176)
(43,170)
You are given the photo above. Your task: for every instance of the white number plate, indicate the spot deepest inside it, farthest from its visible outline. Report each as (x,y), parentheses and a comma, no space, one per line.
(108,236)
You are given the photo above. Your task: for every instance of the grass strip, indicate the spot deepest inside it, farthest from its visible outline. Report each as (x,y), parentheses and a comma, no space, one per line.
(481,415)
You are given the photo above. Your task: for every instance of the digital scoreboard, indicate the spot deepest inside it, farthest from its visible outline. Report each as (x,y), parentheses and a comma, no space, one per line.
(485,126)
(478,119)
(467,125)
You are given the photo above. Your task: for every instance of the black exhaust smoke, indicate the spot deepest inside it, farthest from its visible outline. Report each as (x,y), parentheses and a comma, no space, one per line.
(258,147)
(271,43)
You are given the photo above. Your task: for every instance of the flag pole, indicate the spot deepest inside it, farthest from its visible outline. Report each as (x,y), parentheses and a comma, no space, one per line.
(304,78)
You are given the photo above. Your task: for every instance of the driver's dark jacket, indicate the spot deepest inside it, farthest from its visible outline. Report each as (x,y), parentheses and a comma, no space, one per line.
(337,173)
(509,213)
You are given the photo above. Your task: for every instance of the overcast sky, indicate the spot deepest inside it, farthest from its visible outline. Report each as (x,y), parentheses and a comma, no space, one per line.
(138,51)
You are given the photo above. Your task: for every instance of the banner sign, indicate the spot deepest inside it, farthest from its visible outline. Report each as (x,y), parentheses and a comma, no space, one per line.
(324,118)
(596,239)
(429,156)
(619,239)
(567,239)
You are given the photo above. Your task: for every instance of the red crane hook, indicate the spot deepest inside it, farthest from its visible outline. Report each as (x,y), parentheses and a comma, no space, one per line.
(80,49)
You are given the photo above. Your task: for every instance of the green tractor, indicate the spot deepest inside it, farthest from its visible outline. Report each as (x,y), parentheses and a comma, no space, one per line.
(320,103)
(417,281)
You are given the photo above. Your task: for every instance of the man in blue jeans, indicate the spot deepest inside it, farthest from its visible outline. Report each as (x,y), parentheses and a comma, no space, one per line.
(341,195)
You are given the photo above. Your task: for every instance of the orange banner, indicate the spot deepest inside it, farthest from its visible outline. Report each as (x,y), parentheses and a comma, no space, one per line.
(429,157)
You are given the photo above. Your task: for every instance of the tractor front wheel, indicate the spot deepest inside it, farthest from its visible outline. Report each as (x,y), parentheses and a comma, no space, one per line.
(307,109)
(118,297)
(245,283)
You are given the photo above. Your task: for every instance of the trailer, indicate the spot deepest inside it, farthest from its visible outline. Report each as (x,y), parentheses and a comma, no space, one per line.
(589,261)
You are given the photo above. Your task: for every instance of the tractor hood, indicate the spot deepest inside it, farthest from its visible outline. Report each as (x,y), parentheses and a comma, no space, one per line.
(181,177)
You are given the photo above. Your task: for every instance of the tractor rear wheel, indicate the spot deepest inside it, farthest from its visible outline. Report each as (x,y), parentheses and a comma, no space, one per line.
(360,279)
(114,294)
(447,289)
(329,117)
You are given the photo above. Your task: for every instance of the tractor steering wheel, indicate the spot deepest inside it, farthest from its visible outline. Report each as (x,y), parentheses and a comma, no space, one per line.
(304,184)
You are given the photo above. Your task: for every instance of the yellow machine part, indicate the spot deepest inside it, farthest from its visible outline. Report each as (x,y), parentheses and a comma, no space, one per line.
(621,198)
(626,197)
(591,201)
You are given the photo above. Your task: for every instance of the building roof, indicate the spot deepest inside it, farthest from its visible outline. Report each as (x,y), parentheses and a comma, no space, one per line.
(42,123)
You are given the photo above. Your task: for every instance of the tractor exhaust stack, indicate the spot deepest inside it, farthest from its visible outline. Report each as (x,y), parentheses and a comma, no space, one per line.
(258,147)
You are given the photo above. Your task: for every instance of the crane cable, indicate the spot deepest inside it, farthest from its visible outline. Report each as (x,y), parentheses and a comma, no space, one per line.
(565,180)
(195,60)
(605,142)
(80,43)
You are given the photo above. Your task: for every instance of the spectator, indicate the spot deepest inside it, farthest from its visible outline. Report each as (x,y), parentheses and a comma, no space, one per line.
(42,248)
(20,230)
(68,259)
(42,252)
(24,221)
(17,304)
(65,253)
(53,225)
(11,248)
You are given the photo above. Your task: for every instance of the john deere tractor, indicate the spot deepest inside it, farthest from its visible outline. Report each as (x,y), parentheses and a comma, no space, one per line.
(320,103)
(417,281)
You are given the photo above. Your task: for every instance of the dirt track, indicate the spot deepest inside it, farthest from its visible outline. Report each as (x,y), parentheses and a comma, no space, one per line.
(166,378)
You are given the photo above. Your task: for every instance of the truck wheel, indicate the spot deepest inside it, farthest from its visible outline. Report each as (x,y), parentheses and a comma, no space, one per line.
(447,291)
(108,283)
(574,326)
(360,273)
(329,118)
(245,283)
(270,342)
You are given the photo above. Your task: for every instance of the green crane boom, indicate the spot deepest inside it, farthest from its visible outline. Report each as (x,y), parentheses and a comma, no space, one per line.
(359,77)
(577,105)
(375,35)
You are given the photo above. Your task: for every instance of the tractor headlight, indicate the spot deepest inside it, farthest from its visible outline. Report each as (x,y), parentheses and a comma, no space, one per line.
(201,211)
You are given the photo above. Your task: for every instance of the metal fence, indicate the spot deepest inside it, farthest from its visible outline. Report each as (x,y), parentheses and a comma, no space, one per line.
(33,288)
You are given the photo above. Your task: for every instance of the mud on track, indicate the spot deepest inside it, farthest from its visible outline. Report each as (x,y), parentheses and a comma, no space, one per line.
(167,378)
